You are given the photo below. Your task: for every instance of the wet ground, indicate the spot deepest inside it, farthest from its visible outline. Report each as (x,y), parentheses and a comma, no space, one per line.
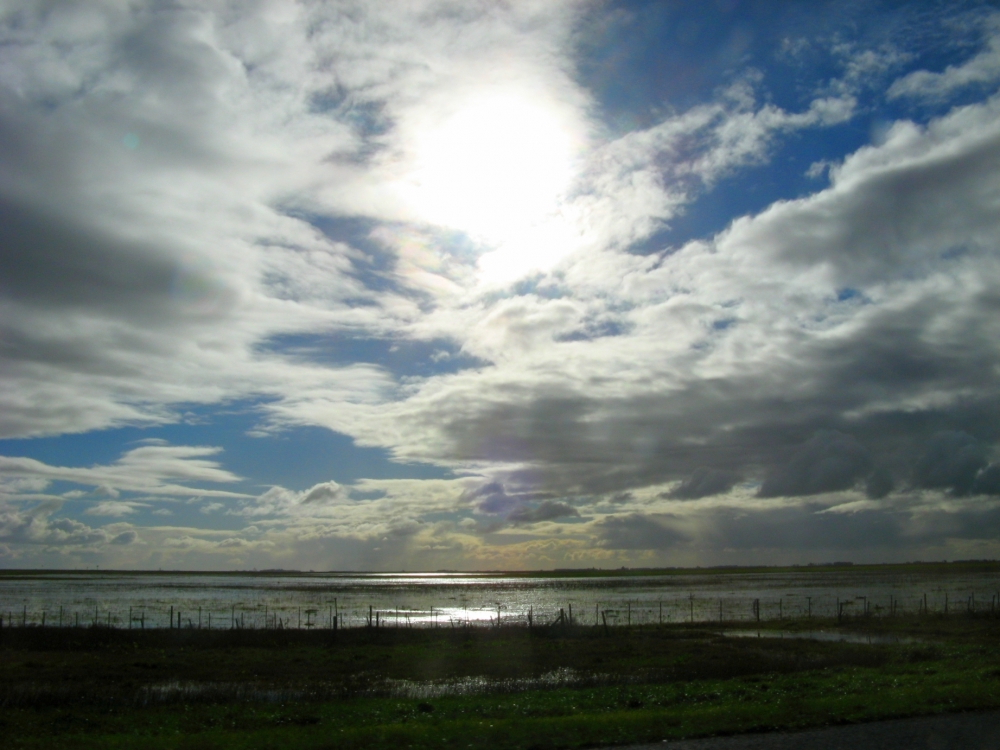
(830,636)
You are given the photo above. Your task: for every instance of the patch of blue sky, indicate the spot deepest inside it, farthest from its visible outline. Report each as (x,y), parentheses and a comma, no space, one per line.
(600,329)
(539,284)
(843,295)
(751,189)
(380,245)
(402,358)
(640,57)
(296,457)
(374,271)
(365,116)
(644,60)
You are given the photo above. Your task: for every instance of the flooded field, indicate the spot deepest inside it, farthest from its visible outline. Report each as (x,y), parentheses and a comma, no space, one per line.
(313,600)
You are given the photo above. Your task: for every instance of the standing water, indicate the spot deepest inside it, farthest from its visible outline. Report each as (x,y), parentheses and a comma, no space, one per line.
(314,600)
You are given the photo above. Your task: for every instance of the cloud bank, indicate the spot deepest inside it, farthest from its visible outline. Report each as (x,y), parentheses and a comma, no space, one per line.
(203,205)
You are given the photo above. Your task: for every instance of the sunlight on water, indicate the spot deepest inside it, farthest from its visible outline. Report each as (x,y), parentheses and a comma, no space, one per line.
(300,600)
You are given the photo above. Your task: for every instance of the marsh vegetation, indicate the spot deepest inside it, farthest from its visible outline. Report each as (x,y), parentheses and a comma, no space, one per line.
(510,687)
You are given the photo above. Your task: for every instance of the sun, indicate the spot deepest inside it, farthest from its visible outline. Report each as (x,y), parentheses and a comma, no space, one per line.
(496,167)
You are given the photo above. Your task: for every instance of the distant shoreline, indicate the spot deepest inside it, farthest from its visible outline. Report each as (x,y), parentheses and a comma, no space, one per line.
(972,565)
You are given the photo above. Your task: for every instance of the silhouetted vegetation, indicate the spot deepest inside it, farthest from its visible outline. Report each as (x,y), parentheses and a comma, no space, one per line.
(509,687)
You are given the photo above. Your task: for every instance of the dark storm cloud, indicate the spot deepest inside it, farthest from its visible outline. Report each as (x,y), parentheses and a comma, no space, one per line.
(323,493)
(55,264)
(548,510)
(805,528)
(988,481)
(951,461)
(124,538)
(637,532)
(704,483)
(879,483)
(757,418)
(827,462)
(491,498)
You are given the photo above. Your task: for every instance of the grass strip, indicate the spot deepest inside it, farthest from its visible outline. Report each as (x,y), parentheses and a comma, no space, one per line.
(953,678)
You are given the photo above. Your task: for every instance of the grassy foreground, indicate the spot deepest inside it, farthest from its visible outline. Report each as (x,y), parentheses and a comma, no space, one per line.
(263,689)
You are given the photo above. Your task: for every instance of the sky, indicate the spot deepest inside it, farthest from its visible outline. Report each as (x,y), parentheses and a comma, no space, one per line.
(468,285)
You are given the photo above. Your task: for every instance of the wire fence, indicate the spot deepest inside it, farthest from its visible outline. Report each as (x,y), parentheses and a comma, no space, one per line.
(618,613)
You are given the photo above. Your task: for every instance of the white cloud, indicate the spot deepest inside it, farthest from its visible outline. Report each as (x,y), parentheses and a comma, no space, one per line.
(131,322)
(983,68)
(215,131)
(37,527)
(719,344)
(153,469)
(114,508)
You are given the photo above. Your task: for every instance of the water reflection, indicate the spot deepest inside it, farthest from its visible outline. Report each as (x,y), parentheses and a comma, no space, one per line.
(272,599)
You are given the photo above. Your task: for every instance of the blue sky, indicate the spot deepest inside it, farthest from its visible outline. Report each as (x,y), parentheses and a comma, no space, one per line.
(430,284)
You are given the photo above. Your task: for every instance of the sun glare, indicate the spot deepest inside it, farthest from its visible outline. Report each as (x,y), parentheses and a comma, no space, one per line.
(496,168)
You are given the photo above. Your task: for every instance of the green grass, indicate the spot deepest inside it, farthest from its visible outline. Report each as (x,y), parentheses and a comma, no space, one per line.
(692,683)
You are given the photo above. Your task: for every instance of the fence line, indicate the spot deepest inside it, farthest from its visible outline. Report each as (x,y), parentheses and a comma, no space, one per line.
(332,616)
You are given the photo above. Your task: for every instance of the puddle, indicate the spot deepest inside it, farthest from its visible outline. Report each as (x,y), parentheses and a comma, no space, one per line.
(558,678)
(173,692)
(820,635)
